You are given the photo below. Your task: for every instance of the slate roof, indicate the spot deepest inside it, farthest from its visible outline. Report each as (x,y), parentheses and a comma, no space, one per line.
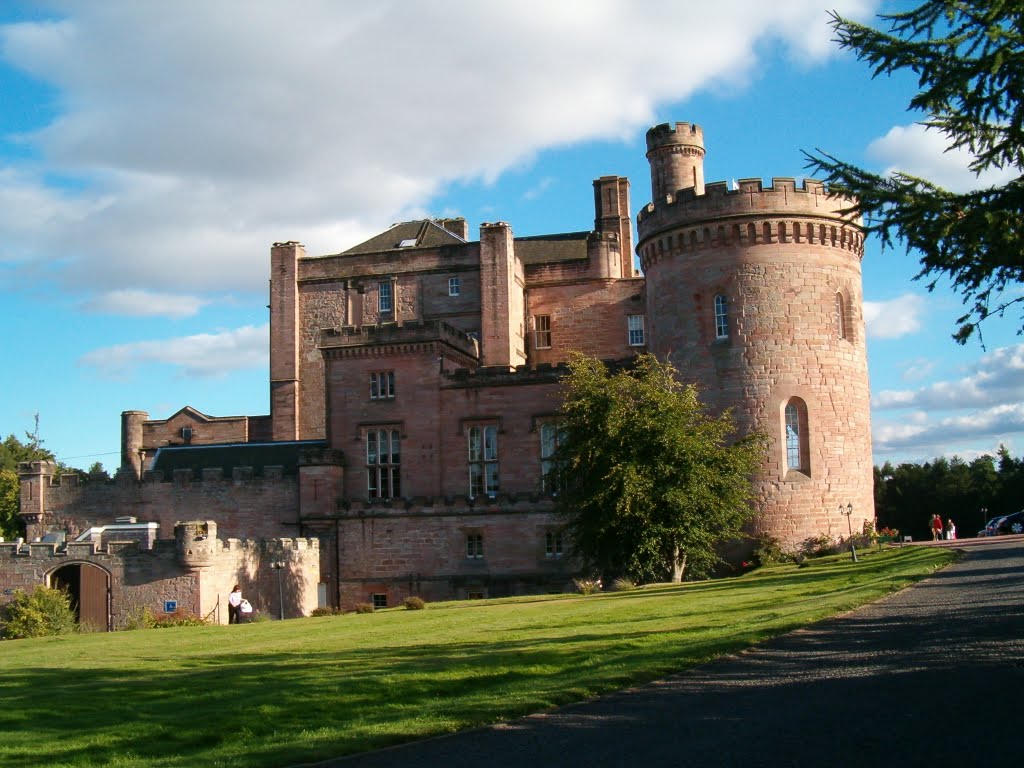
(425,234)
(230,455)
(543,249)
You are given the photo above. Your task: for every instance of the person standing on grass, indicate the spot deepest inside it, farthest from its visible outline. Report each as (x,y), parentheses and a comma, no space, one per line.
(234,604)
(936,527)
(950,530)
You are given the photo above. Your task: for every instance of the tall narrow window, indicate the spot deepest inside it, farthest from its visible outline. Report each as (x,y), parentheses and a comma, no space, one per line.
(635,324)
(542,332)
(721,317)
(553,544)
(796,435)
(384,303)
(550,437)
(792,437)
(474,546)
(383,458)
(483,461)
(840,316)
(453,286)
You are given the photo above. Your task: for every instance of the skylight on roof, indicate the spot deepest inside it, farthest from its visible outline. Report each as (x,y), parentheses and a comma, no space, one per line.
(409,242)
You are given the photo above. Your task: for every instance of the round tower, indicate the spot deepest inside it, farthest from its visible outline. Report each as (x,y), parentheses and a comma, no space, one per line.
(131,441)
(676,155)
(755,295)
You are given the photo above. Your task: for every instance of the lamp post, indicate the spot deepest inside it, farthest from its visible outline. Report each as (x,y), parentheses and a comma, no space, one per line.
(984,520)
(848,512)
(278,566)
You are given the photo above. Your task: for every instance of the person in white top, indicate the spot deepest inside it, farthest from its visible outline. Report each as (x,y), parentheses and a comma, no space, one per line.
(234,604)
(950,530)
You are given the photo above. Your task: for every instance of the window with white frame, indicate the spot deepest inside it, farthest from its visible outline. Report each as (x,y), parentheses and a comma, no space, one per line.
(382,385)
(542,331)
(840,316)
(384,297)
(383,460)
(553,547)
(636,330)
(483,460)
(474,546)
(721,316)
(550,437)
(454,286)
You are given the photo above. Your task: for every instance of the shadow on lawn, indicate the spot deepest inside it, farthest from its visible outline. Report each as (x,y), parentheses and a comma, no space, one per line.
(276,707)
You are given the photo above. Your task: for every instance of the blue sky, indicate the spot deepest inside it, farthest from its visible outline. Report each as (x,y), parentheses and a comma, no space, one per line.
(150,153)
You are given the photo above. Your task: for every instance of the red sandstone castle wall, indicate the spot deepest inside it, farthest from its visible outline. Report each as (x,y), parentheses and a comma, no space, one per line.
(781,258)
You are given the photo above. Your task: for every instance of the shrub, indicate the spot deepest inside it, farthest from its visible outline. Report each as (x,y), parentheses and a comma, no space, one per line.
(180,618)
(326,610)
(40,613)
(364,608)
(587,586)
(623,584)
(414,603)
(768,550)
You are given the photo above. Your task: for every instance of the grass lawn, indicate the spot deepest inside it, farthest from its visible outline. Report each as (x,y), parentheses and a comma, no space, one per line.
(281,693)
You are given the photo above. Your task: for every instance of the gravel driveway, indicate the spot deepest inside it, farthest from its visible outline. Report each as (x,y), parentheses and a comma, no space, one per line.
(932,676)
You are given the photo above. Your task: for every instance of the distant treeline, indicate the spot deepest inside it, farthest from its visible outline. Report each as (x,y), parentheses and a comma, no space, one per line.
(906,496)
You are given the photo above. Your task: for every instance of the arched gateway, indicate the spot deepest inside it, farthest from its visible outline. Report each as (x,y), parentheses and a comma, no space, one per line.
(88,586)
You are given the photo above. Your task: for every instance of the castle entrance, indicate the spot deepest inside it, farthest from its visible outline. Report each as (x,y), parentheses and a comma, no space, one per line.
(88,586)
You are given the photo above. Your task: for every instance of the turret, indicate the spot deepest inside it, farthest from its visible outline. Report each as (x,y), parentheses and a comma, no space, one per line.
(676,156)
(131,443)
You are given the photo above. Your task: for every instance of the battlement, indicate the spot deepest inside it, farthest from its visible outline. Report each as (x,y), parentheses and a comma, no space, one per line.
(406,332)
(668,134)
(750,214)
(526,503)
(498,375)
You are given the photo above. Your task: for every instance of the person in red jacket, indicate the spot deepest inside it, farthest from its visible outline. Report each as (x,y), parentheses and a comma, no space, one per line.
(936,528)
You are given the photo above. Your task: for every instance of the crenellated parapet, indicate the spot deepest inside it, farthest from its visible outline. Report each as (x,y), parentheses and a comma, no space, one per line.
(492,376)
(409,336)
(749,215)
(457,505)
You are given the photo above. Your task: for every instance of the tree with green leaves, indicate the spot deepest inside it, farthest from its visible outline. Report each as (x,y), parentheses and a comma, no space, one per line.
(651,484)
(968,56)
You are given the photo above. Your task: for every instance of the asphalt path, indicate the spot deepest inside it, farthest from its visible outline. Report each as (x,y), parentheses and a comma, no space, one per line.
(930,676)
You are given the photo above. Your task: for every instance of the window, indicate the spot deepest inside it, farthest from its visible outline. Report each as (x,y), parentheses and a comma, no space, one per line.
(380,600)
(483,461)
(542,332)
(550,437)
(636,330)
(384,297)
(382,385)
(721,317)
(553,544)
(474,546)
(840,316)
(797,448)
(186,434)
(383,457)
(453,286)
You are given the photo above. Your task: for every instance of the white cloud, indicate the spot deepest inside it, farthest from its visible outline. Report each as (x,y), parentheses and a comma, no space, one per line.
(985,407)
(920,152)
(998,379)
(206,354)
(199,133)
(136,303)
(893,318)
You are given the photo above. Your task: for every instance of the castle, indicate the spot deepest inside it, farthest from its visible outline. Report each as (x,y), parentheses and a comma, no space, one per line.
(414,384)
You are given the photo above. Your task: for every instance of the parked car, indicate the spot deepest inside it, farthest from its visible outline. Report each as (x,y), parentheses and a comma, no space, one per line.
(1007,524)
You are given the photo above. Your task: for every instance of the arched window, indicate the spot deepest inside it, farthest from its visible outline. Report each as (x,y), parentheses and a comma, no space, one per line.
(795,430)
(840,316)
(721,317)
